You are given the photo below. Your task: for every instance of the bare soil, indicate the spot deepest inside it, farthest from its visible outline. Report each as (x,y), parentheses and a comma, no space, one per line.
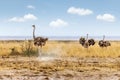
(50,68)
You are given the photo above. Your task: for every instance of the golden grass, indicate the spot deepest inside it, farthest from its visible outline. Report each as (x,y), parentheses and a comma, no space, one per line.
(65,48)
(74,49)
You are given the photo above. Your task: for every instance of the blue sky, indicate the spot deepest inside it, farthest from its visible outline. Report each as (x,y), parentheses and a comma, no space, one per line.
(60,17)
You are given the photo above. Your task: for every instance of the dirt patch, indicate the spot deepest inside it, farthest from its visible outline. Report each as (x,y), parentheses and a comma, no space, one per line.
(24,68)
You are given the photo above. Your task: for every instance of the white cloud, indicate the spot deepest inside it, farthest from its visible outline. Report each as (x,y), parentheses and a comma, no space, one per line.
(58,23)
(26,17)
(30,17)
(106,17)
(30,7)
(79,11)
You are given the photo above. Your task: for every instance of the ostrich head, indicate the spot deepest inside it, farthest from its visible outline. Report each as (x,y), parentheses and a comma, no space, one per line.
(33,26)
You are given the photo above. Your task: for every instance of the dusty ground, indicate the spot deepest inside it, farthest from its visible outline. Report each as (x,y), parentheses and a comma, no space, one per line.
(50,68)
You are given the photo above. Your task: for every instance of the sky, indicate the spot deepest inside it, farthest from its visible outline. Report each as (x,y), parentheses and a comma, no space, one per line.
(60,17)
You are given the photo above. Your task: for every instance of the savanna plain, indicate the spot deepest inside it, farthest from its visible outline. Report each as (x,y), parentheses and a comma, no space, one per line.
(58,60)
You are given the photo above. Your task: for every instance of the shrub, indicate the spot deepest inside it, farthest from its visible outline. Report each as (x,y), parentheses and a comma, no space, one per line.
(28,49)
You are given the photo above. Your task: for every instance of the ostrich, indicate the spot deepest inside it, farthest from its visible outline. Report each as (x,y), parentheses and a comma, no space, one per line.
(91,42)
(38,41)
(82,41)
(86,42)
(103,43)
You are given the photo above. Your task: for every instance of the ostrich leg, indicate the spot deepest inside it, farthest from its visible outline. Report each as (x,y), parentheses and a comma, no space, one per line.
(39,50)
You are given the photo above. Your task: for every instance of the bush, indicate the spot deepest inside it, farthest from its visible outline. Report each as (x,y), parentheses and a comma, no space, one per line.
(28,49)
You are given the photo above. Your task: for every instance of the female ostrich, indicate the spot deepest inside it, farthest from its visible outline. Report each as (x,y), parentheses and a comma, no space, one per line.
(86,42)
(103,43)
(38,41)
(82,41)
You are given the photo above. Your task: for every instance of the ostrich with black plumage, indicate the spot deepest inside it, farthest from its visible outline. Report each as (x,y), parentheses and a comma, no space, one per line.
(86,42)
(39,41)
(103,43)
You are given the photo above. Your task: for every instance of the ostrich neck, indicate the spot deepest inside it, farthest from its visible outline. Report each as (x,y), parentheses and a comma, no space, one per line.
(103,38)
(33,33)
(87,38)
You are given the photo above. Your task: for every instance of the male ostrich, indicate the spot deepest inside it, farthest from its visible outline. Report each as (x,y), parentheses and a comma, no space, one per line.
(103,43)
(38,41)
(86,42)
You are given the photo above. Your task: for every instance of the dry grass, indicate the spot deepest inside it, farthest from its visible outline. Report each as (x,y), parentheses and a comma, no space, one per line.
(74,49)
(63,48)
